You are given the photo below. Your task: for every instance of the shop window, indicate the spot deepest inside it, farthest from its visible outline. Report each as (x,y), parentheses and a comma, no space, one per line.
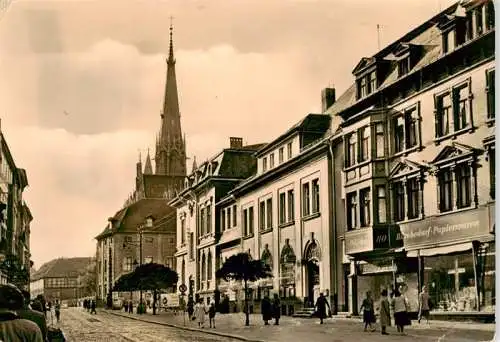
(351,210)
(486,276)
(364,211)
(451,282)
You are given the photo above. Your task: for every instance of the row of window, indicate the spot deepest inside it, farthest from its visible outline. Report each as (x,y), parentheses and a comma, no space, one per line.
(456,190)
(60,282)
(281,157)
(453,113)
(228,218)
(478,21)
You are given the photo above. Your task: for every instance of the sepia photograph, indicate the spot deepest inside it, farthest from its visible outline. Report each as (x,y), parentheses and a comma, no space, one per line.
(238,170)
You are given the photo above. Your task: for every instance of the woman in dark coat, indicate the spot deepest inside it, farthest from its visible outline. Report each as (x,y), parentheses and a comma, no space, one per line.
(266,310)
(321,304)
(276,309)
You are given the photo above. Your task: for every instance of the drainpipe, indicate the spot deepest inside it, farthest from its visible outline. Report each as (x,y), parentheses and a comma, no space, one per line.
(333,212)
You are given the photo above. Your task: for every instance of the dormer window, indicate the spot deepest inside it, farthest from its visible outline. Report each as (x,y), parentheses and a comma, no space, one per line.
(404,66)
(366,73)
(264,164)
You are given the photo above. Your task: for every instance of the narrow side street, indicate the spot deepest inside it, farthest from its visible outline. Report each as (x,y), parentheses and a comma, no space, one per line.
(334,329)
(80,326)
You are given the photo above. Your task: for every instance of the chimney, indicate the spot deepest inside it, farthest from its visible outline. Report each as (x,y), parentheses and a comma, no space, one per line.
(327,98)
(235,142)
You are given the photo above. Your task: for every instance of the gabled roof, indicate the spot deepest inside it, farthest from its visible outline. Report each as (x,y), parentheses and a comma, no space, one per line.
(406,167)
(62,267)
(363,63)
(131,217)
(454,151)
(311,123)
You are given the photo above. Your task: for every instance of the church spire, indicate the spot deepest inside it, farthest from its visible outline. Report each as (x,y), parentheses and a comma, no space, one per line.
(170,154)
(148,169)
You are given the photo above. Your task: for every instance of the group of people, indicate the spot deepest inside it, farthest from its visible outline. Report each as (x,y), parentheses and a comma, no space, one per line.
(197,312)
(400,307)
(90,306)
(23,320)
(271,309)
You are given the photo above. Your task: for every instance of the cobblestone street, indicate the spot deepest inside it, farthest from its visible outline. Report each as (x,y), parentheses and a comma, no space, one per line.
(334,329)
(80,326)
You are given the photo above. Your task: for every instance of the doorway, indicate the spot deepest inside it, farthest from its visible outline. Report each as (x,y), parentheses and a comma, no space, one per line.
(312,269)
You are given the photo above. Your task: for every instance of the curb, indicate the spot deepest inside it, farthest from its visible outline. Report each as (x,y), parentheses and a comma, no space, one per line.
(176,326)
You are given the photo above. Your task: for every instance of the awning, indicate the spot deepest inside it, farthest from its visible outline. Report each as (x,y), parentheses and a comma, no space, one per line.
(462,247)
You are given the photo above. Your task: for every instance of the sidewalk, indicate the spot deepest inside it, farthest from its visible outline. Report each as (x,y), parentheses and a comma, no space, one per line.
(334,329)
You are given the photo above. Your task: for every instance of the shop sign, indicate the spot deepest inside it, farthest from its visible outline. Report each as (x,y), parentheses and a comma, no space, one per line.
(358,241)
(373,269)
(446,228)
(368,239)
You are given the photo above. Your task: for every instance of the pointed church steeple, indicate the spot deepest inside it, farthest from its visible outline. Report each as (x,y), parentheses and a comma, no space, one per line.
(148,168)
(170,154)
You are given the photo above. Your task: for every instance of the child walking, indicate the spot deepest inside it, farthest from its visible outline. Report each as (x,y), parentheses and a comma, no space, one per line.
(211,314)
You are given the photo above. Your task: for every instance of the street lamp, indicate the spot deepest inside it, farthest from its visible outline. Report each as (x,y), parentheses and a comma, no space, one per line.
(140,229)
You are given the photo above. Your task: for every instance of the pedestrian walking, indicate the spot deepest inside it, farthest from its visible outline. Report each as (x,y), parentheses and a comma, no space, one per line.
(321,304)
(200,312)
(57,309)
(211,314)
(276,309)
(423,303)
(92,307)
(385,313)
(400,311)
(190,307)
(266,309)
(130,307)
(368,311)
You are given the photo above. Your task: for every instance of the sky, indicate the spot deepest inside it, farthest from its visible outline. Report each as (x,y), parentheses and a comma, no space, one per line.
(81,88)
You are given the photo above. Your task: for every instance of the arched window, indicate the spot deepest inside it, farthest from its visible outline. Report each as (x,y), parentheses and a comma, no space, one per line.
(267,258)
(203,268)
(209,266)
(287,264)
(312,252)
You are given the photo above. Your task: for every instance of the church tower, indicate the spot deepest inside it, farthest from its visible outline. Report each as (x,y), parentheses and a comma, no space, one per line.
(170,154)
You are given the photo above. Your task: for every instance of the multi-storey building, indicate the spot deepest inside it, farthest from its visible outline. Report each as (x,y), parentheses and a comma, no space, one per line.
(117,247)
(57,279)
(284,217)
(15,218)
(199,221)
(418,180)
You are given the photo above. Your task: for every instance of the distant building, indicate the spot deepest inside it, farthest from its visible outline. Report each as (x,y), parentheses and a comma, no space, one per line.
(118,245)
(58,279)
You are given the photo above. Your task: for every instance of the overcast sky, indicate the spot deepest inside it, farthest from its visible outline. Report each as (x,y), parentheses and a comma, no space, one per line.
(82,81)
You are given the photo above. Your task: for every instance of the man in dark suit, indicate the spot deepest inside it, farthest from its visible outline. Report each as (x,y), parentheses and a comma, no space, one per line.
(32,315)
